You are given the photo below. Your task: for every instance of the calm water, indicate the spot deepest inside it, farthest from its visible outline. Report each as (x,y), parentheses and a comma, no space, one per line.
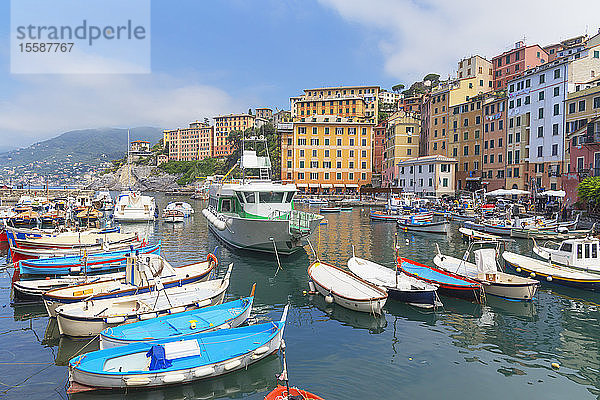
(497,351)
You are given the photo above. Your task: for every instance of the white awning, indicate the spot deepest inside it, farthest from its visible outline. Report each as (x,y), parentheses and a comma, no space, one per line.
(338,185)
(506,192)
(301,185)
(352,185)
(326,185)
(313,185)
(555,193)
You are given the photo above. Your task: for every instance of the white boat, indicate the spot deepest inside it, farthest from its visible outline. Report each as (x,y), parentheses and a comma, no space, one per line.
(423,223)
(476,235)
(142,274)
(544,271)
(345,289)
(173,216)
(134,207)
(103,200)
(89,318)
(575,253)
(485,270)
(181,206)
(399,286)
(258,215)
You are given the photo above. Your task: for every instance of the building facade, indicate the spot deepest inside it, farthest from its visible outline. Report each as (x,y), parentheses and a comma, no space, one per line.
(264,112)
(401,143)
(516,61)
(329,154)
(225,124)
(378,149)
(192,143)
(429,176)
(494,141)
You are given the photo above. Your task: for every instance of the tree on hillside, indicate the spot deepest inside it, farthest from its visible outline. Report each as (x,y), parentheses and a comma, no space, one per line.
(397,88)
(432,77)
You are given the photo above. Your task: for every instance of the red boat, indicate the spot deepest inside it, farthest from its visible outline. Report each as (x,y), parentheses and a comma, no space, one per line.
(281,393)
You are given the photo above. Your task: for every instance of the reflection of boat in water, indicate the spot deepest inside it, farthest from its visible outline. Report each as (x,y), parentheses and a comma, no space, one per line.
(237,384)
(523,309)
(373,323)
(67,347)
(26,311)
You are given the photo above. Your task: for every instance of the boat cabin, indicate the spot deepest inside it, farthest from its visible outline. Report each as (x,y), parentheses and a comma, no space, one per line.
(255,199)
(579,253)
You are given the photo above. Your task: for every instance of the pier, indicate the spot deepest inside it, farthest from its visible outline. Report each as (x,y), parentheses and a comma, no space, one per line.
(11,196)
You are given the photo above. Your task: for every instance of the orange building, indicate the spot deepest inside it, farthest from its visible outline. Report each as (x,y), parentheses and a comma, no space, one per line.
(187,144)
(225,124)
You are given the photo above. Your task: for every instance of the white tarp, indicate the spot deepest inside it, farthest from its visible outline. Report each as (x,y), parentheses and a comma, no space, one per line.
(555,193)
(485,260)
(506,192)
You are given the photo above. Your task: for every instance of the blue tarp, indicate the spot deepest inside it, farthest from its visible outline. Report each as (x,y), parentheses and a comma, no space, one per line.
(158,358)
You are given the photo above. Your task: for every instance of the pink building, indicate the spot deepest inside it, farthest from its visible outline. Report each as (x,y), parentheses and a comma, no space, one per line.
(514,62)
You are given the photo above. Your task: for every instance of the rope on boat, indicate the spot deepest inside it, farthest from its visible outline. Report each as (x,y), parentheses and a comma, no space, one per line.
(277,256)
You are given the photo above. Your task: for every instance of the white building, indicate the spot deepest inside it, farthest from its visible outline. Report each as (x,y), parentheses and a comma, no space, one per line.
(429,176)
(538,97)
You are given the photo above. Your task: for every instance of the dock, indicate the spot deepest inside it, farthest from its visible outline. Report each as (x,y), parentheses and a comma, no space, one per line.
(12,196)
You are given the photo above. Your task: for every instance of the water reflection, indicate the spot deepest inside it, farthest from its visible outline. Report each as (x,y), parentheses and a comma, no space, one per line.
(359,320)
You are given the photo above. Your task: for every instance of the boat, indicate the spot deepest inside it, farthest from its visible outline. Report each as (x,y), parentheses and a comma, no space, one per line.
(173,216)
(89,318)
(103,200)
(181,325)
(88,215)
(145,273)
(32,290)
(27,218)
(323,210)
(383,216)
(346,208)
(544,271)
(423,223)
(52,217)
(551,234)
(185,208)
(172,361)
(485,271)
(86,262)
(345,289)
(471,234)
(316,201)
(582,253)
(258,214)
(398,285)
(449,284)
(131,206)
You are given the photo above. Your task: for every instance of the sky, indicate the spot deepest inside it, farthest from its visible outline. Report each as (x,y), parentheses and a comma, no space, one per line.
(226,56)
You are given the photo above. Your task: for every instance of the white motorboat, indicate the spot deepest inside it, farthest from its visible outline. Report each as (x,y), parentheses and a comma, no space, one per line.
(346,289)
(89,318)
(103,200)
(485,270)
(173,216)
(476,235)
(574,253)
(134,207)
(181,206)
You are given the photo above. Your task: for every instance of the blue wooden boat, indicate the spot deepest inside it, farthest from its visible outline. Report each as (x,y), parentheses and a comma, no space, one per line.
(93,263)
(181,325)
(448,283)
(173,361)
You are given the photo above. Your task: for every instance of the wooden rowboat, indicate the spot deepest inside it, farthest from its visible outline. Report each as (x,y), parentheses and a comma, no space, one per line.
(345,289)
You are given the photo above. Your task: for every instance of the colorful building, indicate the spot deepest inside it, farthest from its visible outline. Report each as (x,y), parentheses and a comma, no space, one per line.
(225,124)
(494,141)
(378,149)
(583,137)
(264,112)
(411,103)
(429,176)
(401,143)
(187,144)
(514,62)
(328,154)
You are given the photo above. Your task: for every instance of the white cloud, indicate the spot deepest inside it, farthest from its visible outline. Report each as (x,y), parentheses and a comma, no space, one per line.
(44,106)
(422,36)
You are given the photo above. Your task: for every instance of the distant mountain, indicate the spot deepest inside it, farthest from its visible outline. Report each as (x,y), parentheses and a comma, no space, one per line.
(87,146)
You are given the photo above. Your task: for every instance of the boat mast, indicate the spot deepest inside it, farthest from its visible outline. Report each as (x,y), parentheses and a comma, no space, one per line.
(128,164)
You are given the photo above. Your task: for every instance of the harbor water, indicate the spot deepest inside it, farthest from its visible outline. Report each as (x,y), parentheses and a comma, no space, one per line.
(500,350)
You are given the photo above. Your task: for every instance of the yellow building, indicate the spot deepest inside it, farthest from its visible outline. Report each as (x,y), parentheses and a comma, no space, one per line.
(401,143)
(328,153)
(187,144)
(345,101)
(225,124)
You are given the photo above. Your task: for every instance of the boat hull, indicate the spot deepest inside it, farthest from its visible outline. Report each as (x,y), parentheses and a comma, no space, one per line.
(281,393)
(367,306)
(421,298)
(434,227)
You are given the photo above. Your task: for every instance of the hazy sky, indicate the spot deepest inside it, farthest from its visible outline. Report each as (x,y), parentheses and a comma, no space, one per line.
(211,57)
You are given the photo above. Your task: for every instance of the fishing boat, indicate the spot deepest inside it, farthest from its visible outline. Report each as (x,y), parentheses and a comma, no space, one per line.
(324,210)
(52,217)
(172,361)
(143,274)
(398,285)
(544,271)
(551,234)
(27,218)
(88,215)
(423,222)
(181,325)
(33,289)
(131,206)
(173,216)
(89,318)
(345,289)
(580,253)
(85,262)
(448,283)
(181,206)
(383,216)
(471,234)
(258,215)
(485,271)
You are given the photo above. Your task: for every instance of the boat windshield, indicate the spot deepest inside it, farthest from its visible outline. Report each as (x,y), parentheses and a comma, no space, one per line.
(566,247)
(250,197)
(271,197)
